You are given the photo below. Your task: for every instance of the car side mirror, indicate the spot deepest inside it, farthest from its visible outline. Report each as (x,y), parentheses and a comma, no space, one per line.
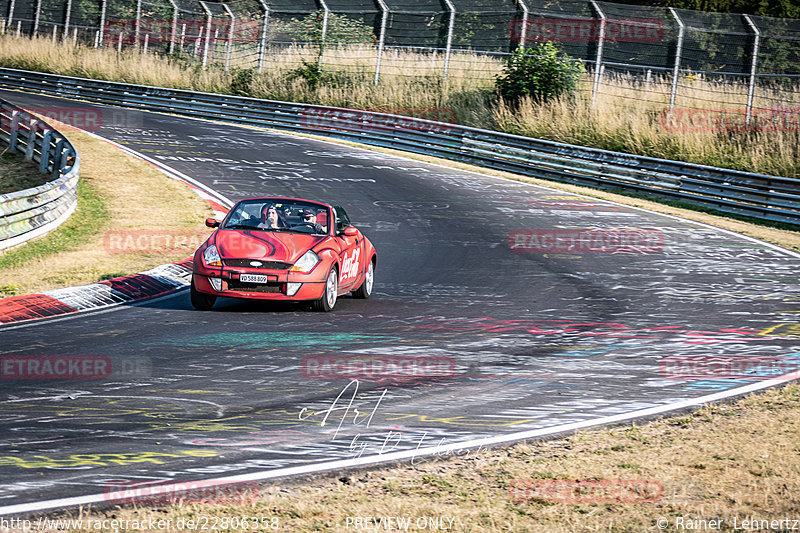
(212,223)
(350,231)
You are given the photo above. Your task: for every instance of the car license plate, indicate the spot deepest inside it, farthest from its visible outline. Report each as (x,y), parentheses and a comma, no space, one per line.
(253,278)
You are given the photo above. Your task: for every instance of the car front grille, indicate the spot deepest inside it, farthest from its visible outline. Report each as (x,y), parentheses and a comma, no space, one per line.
(267,265)
(272,287)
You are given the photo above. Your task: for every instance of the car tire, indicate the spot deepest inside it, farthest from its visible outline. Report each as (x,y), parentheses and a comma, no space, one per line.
(365,290)
(328,299)
(201,301)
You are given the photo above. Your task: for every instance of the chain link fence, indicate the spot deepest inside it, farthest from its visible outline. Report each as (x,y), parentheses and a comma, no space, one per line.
(672,57)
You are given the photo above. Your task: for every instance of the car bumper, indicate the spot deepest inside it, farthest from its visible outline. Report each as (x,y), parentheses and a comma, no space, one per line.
(226,282)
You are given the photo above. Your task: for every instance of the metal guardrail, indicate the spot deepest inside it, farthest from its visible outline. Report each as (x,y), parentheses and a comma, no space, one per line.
(33,212)
(759,196)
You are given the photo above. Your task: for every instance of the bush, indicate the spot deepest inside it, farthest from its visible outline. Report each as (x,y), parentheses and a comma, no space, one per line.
(541,72)
(310,72)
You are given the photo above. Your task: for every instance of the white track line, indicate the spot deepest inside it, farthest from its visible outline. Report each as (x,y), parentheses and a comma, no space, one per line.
(27,508)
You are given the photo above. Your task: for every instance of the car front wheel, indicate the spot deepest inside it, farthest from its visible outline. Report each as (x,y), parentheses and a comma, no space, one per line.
(365,290)
(200,300)
(328,299)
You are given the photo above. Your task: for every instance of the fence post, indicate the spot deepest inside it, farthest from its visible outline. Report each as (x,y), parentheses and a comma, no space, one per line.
(67,17)
(599,62)
(137,23)
(263,44)
(208,33)
(103,8)
(174,30)
(678,53)
(523,33)
(10,13)
(36,19)
(450,28)
(230,37)
(381,39)
(753,69)
(325,14)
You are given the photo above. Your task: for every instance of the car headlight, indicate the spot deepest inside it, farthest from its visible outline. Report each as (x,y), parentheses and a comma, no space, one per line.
(306,263)
(211,256)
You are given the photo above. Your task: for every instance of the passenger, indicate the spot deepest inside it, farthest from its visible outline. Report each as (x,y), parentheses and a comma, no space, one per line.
(270,218)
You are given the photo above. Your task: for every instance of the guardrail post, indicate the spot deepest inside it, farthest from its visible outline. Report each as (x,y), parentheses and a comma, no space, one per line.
(208,33)
(33,125)
(599,62)
(45,151)
(58,157)
(450,28)
(678,53)
(381,39)
(262,46)
(12,143)
(753,70)
(523,32)
(103,10)
(230,37)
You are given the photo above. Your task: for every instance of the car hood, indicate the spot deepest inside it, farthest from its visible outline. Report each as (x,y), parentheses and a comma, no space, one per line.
(269,245)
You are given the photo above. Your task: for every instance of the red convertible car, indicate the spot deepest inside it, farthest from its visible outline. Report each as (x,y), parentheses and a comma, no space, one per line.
(283,249)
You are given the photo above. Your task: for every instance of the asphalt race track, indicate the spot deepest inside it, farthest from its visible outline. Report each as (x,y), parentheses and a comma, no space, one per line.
(539,308)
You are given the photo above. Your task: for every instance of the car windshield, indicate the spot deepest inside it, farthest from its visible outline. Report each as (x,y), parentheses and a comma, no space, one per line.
(276,214)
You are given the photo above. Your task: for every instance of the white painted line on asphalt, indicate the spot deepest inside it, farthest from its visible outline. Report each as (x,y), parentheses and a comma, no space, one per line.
(32,507)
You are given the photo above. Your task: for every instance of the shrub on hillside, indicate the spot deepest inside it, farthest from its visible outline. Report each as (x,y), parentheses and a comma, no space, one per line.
(541,72)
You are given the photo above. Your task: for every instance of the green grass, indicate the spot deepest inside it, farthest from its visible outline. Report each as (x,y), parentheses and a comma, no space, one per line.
(85,222)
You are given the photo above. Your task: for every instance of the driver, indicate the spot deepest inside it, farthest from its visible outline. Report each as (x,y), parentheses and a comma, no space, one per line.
(310,218)
(270,218)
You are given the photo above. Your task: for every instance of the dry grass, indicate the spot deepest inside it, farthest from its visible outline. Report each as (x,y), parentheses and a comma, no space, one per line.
(725,462)
(16,174)
(627,115)
(623,121)
(138,199)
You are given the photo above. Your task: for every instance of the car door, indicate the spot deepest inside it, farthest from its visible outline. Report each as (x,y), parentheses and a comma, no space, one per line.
(352,259)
